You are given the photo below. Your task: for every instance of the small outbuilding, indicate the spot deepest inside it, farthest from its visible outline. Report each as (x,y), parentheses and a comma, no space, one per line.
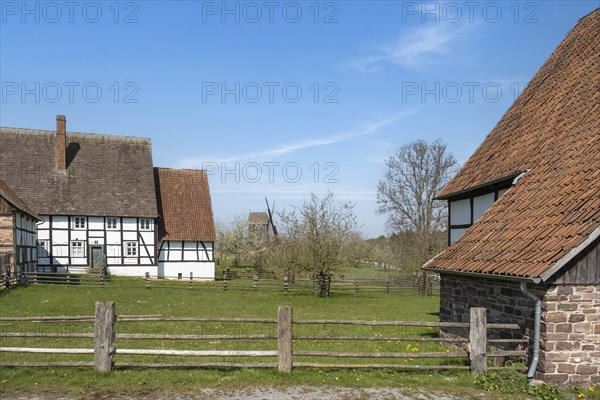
(186,229)
(524,217)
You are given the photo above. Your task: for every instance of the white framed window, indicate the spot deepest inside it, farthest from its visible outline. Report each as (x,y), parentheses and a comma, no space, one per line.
(42,248)
(145,224)
(131,249)
(77,249)
(79,222)
(112,223)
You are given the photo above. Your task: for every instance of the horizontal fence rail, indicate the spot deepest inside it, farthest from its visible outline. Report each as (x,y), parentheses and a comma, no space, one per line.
(113,349)
(423,284)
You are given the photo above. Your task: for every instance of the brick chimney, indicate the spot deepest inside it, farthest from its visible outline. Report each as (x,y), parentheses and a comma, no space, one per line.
(61,142)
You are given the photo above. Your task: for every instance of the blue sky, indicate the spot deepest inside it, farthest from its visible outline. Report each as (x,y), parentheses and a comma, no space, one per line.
(277,98)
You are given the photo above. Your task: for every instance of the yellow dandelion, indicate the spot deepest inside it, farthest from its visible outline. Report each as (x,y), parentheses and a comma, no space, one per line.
(357,379)
(337,378)
(591,389)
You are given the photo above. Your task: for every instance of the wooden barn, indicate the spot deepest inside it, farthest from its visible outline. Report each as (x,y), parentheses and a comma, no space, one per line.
(524,217)
(95,195)
(18,232)
(186,230)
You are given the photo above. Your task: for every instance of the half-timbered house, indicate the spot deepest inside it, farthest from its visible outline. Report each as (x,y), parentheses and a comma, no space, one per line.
(524,217)
(18,232)
(186,230)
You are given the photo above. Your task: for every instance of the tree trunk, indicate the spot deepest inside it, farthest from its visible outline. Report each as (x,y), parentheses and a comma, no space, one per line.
(322,283)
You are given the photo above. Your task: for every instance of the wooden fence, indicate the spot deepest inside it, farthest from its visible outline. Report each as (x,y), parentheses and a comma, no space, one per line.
(285,331)
(422,284)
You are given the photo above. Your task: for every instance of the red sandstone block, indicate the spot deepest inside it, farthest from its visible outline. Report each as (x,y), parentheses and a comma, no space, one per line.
(564,289)
(567,307)
(566,368)
(586,289)
(576,318)
(582,327)
(558,356)
(557,336)
(556,317)
(557,379)
(563,327)
(587,369)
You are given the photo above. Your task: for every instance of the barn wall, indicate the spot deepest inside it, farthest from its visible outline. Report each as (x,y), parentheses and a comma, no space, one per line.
(503,300)
(571,335)
(570,329)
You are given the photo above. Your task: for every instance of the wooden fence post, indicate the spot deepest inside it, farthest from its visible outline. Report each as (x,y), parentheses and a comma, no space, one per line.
(147,280)
(387,284)
(286,283)
(284,338)
(104,336)
(191,280)
(225,281)
(255,282)
(478,340)
(356,286)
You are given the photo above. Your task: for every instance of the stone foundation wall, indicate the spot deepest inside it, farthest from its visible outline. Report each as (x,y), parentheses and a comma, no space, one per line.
(504,301)
(570,330)
(570,335)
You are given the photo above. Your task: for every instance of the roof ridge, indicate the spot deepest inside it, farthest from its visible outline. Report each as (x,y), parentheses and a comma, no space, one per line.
(89,135)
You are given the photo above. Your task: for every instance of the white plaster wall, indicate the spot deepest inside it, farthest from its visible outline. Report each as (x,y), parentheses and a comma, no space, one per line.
(481,204)
(456,234)
(460,212)
(96,223)
(128,270)
(201,270)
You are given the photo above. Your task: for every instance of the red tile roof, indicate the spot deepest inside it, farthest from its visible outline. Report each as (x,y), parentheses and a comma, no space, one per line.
(10,196)
(184,206)
(552,131)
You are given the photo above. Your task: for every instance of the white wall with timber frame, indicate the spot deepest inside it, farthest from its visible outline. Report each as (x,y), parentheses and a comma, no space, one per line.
(25,232)
(127,245)
(183,257)
(463,212)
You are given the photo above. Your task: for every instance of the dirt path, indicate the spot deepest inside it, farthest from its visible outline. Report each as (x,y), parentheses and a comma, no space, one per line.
(268,393)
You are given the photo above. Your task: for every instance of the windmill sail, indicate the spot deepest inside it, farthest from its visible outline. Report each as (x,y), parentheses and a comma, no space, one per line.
(271,216)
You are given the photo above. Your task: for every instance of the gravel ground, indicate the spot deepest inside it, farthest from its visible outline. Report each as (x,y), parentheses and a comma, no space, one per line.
(288,393)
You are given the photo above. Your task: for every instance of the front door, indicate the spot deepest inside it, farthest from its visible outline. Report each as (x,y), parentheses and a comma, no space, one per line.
(97,257)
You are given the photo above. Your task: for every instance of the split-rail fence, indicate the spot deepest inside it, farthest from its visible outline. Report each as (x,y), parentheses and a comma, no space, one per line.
(473,355)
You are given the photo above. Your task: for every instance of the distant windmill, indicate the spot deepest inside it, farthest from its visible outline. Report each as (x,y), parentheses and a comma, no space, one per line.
(271,216)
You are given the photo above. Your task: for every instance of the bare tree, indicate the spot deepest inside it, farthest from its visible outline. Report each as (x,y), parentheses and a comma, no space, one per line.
(315,234)
(406,194)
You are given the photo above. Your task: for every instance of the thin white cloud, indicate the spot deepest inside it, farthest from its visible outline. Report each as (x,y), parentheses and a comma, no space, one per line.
(294,146)
(416,47)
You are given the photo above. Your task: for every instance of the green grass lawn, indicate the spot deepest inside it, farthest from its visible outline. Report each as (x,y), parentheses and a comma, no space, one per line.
(208,299)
